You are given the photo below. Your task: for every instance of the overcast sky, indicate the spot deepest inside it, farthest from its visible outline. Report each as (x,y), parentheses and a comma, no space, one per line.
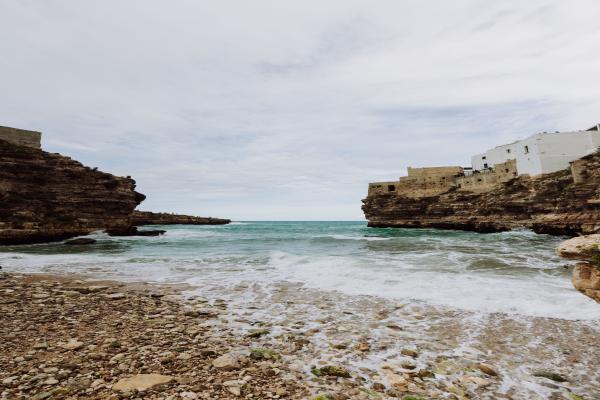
(264,110)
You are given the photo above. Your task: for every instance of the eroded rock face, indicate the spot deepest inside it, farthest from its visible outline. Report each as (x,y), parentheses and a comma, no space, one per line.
(150,218)
(586,279)
(561,203)
(49,197)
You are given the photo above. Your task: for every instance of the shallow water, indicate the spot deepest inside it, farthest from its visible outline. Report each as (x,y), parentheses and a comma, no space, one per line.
(513,272)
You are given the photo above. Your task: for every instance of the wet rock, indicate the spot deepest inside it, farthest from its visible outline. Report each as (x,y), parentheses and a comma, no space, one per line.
(141,382)
(256,333)
(550,375)
(487,369)
(331,370)
(409,353)
(80,241)
(264,354)
(364,347)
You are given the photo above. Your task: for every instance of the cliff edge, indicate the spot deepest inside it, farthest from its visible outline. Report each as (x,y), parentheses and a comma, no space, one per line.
(49,197)
(565,202)
(150,218)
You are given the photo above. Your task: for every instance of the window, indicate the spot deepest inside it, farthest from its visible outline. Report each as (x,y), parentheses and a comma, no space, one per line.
(508,150)
(479,180)
(483,158)
(506,170)
(485,165)
(391,188)
(526,149)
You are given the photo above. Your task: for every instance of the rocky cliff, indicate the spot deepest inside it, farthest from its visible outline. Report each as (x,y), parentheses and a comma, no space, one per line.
(150,218)
(47,197)
(566,202)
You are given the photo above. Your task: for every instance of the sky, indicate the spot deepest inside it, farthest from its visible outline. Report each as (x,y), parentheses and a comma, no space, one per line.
(281,110)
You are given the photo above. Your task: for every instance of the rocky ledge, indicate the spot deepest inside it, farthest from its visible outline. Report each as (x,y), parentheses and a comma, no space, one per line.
(566,202)
(586,274)
(150,218)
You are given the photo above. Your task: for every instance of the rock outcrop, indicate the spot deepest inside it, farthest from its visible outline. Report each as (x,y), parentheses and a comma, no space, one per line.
(48,197)
(566,202)
(586,275)
(150,218)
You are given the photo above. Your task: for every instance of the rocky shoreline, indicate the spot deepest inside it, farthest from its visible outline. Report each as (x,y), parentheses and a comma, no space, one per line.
(140,218)
(75,338)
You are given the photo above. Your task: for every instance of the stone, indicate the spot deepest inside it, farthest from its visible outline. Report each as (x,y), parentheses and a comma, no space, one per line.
(234,387)
(256,333)
(331,370)
(395,380)
(550,375)
(80,241)
(50,381)
(72,344)
(227,362)
(409,353)
(141,382)
(487,369)
(40,346)
(364,347)
(115,296)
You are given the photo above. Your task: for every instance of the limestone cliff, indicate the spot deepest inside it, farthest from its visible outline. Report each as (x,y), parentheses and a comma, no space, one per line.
(47,197)
(150,218)
(566,202)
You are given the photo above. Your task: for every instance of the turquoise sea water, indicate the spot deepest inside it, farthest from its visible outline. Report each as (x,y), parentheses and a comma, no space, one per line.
(513,272)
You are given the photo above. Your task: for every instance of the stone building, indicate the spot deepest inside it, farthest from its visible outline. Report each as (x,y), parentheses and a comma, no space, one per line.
(21,137)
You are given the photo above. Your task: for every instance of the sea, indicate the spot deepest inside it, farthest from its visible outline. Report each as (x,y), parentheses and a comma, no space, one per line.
(511,272)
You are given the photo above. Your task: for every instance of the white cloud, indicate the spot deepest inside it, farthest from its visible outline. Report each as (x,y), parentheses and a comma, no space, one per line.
(279,110)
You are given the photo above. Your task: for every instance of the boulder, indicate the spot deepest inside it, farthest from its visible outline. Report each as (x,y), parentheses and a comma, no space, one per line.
(141,382)
(227,362)
(580,248)
(586,279)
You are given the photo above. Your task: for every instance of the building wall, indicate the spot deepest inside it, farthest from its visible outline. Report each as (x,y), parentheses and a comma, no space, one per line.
(485,181)
(420,182)
(541,153)
(21,137)
(383,187)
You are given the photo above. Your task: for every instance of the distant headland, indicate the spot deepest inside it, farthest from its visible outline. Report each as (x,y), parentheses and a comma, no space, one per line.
(548,182)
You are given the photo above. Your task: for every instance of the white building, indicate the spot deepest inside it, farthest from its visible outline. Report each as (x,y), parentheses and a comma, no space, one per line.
(541,153)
